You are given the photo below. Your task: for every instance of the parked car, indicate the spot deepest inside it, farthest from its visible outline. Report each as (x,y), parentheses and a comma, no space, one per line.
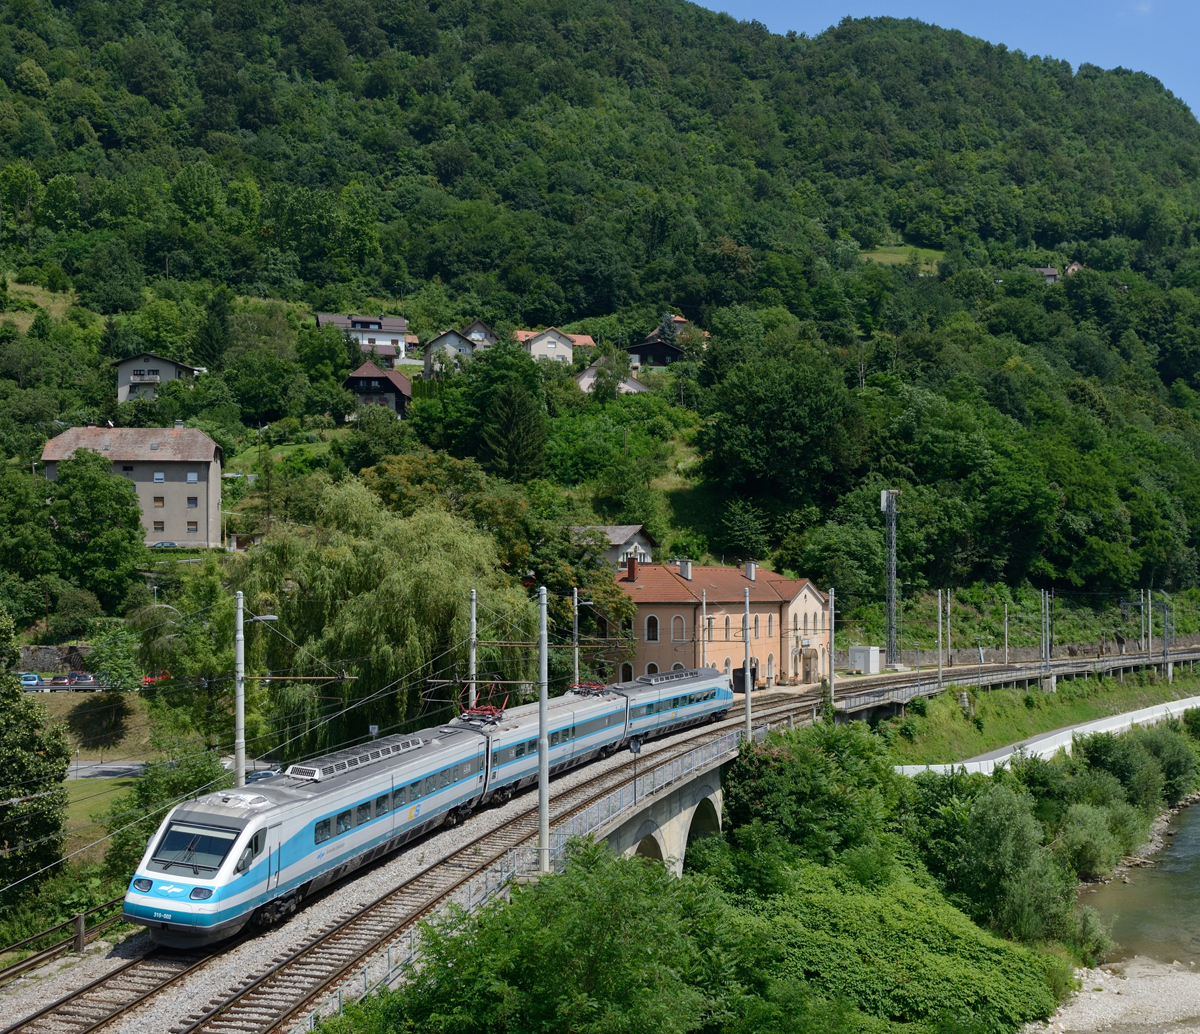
(164,545)
(155,676)
(60,682)
(32,681)
(84,681)
(263,773)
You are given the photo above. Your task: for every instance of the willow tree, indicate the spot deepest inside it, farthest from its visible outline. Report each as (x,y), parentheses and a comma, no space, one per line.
(384,601)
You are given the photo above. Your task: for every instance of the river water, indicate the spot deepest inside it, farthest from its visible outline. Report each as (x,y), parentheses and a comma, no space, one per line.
(1157,914)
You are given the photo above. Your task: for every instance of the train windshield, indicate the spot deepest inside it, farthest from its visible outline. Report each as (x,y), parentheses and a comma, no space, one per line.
(193,847)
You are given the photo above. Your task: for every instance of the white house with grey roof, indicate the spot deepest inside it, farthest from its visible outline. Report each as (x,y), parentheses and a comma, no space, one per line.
(624,541)
(176,473)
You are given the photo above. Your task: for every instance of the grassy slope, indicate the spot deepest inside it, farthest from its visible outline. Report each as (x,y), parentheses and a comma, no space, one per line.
(100,725)
(945,735)
(89,798)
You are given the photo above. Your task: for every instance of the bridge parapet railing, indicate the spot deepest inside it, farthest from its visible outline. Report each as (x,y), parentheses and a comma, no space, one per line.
(964,677)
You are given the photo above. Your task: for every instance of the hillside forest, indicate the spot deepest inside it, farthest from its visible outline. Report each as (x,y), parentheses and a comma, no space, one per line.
(852,225)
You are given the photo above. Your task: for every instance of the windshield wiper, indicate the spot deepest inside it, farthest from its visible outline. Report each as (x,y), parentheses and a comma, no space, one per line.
(186,853)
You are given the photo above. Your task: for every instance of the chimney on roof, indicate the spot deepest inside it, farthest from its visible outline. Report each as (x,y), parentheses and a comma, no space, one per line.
(685,569)
(751,568)
(631,568)
(91,423)
(178,425)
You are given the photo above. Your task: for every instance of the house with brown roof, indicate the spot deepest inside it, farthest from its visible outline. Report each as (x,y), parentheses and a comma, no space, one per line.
(375,387)
(176,473)
(689,616)
(385,338)
(1049,272)
(552,343)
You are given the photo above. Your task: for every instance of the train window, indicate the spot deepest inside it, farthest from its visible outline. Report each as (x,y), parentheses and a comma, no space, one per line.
(345,821)
(431,785)
(414,791)
(398,798)
(321,832)
(518,750)
(479,763)
(446,776)
(364,814)
(531,747)
(382,804)
(554,739)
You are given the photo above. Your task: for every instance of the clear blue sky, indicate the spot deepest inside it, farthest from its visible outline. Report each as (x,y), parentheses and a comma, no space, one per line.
(1159,37)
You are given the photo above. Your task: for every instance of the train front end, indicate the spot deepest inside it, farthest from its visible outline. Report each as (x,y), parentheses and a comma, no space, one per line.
(177,890)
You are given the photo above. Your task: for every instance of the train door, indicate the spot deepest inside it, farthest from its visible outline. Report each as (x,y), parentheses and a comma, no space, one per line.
(275,855)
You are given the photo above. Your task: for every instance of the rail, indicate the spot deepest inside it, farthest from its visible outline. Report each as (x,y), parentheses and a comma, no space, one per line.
(926,681)
(522,861)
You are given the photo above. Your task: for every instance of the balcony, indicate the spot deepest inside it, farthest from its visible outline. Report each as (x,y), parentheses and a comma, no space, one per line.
(144,378)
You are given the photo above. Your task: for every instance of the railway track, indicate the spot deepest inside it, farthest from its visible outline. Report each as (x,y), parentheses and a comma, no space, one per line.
(290,982)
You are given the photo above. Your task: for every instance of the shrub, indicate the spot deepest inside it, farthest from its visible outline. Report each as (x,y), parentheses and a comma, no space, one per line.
(1000,840)
(1091,937)
(1169,747)
(1126,758)
(1099,788)
(869,865)
(1036,901)
(1086,841)
(1129,826)
(1191,722)
(824,788)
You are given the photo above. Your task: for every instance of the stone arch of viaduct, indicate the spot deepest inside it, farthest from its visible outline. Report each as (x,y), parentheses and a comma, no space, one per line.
(672,821)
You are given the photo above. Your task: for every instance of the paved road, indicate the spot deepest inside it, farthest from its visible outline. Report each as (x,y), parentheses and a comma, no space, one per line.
(104,769)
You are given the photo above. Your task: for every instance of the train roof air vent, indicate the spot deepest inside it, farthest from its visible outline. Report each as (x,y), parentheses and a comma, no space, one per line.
(353,757)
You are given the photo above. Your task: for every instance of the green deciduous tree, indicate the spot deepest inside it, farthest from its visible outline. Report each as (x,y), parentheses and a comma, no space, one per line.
(33,764)
(96,524)
(114,658)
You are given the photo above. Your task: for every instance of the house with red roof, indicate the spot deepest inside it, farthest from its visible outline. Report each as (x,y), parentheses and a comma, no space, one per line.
(689,616)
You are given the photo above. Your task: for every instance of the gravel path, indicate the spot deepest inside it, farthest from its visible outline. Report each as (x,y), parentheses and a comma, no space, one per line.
(235,967)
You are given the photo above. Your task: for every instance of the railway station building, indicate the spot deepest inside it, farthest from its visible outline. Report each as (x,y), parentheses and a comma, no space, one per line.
(688,615)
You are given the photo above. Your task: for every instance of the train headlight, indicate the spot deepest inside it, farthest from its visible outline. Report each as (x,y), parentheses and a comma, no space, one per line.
(200,893)
(142,885)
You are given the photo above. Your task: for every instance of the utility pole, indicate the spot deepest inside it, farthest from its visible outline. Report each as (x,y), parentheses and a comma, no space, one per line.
(472,672)
(832,614)
(543,736)
(1006,634)
(703,628)
(1149,611)
(939,605)
(575,632)
(747,684)
(887,503)
(239,695)
(949,642)
(239,689)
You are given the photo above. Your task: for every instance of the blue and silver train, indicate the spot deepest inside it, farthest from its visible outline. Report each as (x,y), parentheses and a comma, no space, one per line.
(254,853)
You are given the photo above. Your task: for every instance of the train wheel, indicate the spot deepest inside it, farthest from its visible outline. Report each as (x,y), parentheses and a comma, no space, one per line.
(451,819)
